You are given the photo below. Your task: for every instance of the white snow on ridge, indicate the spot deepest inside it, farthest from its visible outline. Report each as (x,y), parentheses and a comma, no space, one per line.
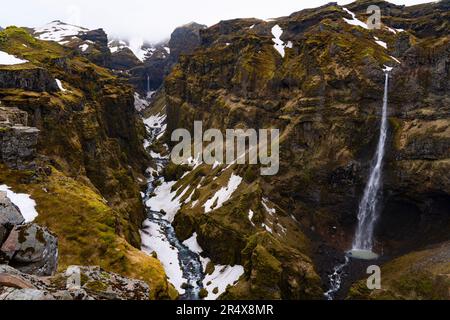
(224,194)
(26,205)
(8,59)
(154,240)
(58,31)
(354,21)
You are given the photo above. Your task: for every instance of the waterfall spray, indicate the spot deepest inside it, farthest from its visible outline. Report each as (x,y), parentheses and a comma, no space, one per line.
(369,206)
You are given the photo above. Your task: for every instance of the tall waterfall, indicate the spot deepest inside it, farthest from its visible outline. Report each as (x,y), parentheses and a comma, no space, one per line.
(368,208)
(148,83)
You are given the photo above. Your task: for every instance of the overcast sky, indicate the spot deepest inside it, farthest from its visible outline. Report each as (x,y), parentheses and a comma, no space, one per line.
(148,19)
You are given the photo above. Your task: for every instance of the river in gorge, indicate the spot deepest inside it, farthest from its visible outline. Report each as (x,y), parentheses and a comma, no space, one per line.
(188,261)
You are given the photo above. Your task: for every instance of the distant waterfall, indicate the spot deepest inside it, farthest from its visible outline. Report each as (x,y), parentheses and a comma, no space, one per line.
(368,208)
(148,83)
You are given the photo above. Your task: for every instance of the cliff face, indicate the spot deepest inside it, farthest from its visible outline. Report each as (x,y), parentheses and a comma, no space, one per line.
(89,156)
(322,86)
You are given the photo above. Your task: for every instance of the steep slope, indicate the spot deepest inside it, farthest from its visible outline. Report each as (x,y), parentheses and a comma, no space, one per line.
(86,177)
(317,76)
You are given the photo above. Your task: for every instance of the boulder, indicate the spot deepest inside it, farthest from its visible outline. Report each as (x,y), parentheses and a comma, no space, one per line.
(10,216)
(31,249)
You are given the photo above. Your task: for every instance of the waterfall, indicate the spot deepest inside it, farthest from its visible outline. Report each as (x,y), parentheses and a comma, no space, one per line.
(368,208)
(148,83)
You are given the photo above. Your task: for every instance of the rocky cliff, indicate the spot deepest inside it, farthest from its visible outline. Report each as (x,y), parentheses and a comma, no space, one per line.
(317,76)
(88,155)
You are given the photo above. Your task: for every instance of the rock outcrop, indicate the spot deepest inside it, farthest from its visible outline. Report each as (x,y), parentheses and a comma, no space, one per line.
(27,78)
(17,141)
(76,283)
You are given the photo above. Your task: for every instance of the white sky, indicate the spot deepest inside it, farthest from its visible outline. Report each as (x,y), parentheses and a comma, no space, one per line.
(148,19)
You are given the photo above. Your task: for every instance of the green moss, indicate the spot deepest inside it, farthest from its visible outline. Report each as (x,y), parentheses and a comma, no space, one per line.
(96,286)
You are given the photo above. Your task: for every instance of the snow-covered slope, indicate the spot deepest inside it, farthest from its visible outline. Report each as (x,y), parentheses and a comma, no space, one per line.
(142,50)
(58,31)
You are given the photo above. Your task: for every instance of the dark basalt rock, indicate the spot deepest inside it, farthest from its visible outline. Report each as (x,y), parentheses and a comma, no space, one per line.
(31,79)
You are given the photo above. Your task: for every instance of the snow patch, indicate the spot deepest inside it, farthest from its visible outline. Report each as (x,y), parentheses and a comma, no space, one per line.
(60,86)
(193,245)
(354,21)
(26,205)
(250,216)
(154,240)
(9,60)
(279,44)
(224,194)
(166,200)
(395,59)
(381,43)
(222,277)
(84,47)
(270,211)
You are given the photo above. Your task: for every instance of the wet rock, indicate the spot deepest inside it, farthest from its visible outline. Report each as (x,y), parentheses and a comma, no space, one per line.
(31,249)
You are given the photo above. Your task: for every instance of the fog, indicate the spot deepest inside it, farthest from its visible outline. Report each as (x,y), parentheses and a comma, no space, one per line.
(152,21)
